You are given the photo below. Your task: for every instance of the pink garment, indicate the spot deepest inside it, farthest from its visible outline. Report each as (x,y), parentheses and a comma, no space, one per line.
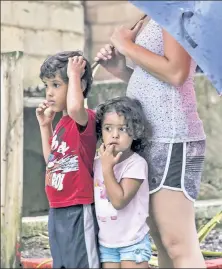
(119,228)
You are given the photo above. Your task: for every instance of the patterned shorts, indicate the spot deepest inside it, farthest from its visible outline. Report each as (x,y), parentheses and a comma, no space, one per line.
(175,166)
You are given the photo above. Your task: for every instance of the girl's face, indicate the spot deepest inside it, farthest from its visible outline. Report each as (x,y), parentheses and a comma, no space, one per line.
(114,132)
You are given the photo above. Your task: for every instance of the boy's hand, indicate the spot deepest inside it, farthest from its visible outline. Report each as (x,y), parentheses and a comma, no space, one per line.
(44,114)
(76,66)
(107,157)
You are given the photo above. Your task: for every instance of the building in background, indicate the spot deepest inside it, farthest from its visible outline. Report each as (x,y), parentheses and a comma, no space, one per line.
(41,28)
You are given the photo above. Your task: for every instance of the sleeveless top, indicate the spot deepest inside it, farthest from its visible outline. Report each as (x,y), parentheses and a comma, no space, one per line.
(171,111)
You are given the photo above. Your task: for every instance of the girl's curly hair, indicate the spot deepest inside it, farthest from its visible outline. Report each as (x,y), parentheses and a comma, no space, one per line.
(57,64)
(134,115)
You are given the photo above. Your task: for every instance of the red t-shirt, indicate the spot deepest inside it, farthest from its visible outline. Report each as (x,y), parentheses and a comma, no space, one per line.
(69,169)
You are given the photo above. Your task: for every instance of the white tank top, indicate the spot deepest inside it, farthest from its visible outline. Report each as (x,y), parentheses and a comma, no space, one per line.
(171,111)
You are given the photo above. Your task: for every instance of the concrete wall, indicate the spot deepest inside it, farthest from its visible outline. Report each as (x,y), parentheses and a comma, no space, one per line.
(101,18)
(40,28)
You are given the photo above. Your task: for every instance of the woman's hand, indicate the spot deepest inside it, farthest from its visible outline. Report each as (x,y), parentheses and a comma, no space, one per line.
(122,36)
(111,59)
(114,62)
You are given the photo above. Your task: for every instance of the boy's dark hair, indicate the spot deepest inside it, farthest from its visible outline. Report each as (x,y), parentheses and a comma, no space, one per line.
(57,64)
(133,113)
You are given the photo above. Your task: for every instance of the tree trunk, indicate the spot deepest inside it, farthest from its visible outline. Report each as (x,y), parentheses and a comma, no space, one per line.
(11,157)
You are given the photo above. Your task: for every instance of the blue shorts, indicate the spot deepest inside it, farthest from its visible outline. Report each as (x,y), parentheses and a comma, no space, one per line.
(139,252)
(73,237)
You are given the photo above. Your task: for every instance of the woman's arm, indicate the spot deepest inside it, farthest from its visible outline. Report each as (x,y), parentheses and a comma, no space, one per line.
(124,74)
(172,68)
(114,62)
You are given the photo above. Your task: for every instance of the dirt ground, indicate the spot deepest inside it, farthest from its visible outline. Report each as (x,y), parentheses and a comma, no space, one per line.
(36,247)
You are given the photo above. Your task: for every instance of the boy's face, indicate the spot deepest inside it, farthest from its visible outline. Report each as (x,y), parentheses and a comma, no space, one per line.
(56,92)
(114,132)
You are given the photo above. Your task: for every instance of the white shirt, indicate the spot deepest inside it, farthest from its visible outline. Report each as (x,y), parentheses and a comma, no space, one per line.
(127,226)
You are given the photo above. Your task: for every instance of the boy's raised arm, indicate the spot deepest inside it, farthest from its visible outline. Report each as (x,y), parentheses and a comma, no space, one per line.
(75,97)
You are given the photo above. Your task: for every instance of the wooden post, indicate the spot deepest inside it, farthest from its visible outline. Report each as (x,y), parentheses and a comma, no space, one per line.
(11,157)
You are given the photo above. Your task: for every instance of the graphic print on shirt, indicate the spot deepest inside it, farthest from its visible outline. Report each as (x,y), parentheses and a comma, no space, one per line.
(105,209)
(61,161)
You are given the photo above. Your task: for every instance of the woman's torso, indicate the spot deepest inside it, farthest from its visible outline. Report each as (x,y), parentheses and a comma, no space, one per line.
(171,111)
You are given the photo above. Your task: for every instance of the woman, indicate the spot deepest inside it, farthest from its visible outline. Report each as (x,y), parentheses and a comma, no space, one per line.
(162,81)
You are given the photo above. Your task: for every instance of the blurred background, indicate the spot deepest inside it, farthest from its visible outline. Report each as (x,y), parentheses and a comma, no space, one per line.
(42,28)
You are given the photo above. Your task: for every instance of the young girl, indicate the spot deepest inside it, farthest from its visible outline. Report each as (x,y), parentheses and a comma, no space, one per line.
(121,185)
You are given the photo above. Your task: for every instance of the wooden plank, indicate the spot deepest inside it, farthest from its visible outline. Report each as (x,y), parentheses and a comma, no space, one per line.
(11,156)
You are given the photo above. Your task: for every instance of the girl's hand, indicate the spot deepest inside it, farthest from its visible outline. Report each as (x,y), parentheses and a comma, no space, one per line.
(76,66)
(107,157)
(122,36)
(44,114)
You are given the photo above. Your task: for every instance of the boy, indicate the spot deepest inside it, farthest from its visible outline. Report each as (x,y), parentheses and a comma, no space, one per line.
(69,153)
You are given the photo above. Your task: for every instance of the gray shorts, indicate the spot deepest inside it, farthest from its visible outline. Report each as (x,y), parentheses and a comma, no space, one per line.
(73,237)
(175,166)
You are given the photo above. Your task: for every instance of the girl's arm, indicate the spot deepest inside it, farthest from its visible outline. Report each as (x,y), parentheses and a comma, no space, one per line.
(120,194)
(172,68)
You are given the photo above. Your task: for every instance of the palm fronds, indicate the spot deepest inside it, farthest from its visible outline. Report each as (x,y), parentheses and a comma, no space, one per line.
(205,230)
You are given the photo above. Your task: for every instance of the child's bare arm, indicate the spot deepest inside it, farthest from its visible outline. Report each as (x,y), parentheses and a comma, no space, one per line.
(75,98)
(46,133)
(45,117)
(120,194)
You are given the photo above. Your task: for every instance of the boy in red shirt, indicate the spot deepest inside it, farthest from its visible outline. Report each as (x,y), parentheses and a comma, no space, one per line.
(69,153)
